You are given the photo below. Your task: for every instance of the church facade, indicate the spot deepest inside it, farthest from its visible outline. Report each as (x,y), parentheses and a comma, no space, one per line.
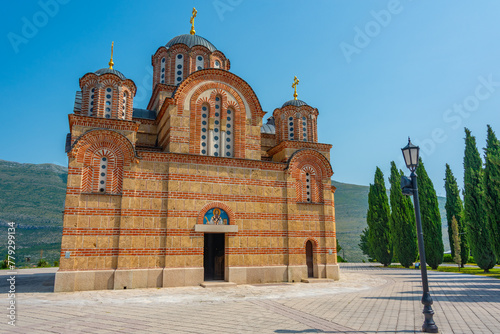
(195,187)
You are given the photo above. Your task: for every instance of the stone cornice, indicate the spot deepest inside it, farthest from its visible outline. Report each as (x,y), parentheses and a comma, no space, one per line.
(298,145)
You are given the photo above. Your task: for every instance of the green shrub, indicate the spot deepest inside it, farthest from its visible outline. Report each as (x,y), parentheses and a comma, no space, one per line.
(340,259)
(56,263)
(471,260)
(42,263)
(447,258)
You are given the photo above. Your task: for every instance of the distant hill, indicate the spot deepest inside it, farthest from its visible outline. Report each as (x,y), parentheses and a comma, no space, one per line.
(351,206)
(33,197)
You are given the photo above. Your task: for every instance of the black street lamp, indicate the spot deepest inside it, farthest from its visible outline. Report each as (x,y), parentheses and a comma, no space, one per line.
(409,187)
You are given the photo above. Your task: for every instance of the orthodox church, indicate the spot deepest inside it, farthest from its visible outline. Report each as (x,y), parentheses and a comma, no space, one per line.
(195,188)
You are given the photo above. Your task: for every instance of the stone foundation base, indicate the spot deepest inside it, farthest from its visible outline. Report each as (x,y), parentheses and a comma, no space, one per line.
(173,277)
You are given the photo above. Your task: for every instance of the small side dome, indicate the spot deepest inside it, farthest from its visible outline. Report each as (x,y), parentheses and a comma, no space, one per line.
(296,103)
(190,41)
(107,70)
(269,127)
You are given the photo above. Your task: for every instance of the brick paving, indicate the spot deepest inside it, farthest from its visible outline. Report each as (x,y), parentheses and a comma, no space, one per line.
(366,300)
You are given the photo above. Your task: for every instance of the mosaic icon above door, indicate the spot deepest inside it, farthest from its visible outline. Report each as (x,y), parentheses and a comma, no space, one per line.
(216,216)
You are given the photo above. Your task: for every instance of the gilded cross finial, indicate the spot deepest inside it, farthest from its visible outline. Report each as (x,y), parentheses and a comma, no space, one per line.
(192,32)
(111,60)
(294,86)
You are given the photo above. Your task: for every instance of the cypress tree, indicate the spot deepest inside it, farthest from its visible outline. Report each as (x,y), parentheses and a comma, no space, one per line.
(454,209)
(402,221)
(456,242)
(492,188)
(431,218)
(364,244)
(474,204)
(378,220)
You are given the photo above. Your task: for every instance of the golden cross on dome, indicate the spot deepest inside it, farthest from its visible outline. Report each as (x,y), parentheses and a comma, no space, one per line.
(294,86)
(192,32)
(111,60)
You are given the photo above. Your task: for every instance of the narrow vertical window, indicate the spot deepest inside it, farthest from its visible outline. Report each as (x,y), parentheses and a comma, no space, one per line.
(162,73)
(290,128)
(304,128)
(108,102)
(179,68)
(308,187)
(228,135)
(215,133)
(204,129)
(91,102)
(103,174)
(199,63)
(124,106)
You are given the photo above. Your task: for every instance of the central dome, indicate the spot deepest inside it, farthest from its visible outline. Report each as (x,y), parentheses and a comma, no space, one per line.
(190,41)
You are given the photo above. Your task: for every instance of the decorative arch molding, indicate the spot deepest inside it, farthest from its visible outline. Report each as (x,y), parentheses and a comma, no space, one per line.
(293,109)
(103,153)
(223,77)
(206,207)
(96,139)
(112,79)
(312,157)
(309,168)
(314,242)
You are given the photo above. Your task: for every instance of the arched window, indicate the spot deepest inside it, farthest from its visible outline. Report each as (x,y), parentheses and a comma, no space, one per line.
(308,189)
(308,185)
(215,134)
(179,68)
(108,101)
(162,73)
(199,63)
(304,128)
(291,134)
(92,100)
(216,64)
(103,174)
(205,112)
(227,140)
(123,110)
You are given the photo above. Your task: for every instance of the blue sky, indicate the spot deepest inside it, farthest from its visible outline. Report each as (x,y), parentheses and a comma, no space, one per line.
(378,71)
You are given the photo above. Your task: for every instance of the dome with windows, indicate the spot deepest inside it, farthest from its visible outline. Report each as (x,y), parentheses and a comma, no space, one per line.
(296,103)
(108,70)
(190,41)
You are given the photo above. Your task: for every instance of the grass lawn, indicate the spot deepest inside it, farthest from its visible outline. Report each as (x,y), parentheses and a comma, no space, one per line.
(494,273)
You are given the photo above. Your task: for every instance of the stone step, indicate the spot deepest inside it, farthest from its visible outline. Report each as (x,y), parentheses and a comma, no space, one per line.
(317,280)
(217,284)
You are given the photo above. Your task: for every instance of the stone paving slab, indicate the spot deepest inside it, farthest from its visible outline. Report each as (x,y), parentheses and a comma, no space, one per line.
(367,299)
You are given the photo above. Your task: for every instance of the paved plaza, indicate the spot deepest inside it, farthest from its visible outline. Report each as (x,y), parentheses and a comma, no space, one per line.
(366,300)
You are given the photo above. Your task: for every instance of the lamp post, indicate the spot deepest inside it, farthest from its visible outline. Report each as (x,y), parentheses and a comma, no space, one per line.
(409,188)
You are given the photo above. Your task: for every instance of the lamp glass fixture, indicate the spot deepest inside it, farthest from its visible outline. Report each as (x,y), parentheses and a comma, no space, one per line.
(410,154)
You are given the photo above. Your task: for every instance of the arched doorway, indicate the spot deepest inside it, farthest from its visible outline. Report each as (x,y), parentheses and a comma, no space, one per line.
(309,258)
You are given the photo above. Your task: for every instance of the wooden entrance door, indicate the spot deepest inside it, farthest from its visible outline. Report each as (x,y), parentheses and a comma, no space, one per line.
(309,258)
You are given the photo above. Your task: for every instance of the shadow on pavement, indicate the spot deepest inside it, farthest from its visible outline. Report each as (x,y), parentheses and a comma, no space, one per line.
(346,332)
(29,283)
